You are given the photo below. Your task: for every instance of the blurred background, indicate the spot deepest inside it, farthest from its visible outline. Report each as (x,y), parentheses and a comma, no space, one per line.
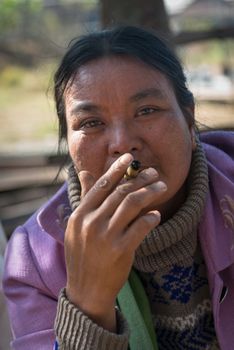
(33,36)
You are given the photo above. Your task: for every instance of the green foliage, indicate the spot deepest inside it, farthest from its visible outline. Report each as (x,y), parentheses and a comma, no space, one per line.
(11,12)
(9,16)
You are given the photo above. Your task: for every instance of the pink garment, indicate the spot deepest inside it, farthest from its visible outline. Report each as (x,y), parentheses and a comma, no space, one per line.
(35,265)
(5,333)
(216,233)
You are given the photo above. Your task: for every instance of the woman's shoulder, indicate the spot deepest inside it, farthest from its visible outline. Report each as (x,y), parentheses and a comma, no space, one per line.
(37,247)
(44,229)
(218,141)
(219,151)
(50,215)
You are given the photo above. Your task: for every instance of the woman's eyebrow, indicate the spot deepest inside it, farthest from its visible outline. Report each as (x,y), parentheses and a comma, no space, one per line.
(84,106)
(151,92)
(87,106)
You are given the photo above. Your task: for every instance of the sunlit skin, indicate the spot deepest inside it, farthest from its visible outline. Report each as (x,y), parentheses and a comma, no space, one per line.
(120,109)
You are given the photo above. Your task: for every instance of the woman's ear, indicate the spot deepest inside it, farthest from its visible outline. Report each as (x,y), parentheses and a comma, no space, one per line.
(193,138)
(189,115)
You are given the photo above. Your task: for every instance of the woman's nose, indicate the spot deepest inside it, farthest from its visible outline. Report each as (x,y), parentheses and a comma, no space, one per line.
(122,140)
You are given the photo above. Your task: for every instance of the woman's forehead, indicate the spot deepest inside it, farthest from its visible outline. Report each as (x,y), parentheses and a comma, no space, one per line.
(115,64)
(118,73)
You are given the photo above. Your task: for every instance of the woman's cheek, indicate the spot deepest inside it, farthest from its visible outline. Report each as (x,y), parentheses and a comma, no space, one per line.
(77,149)
(87,154)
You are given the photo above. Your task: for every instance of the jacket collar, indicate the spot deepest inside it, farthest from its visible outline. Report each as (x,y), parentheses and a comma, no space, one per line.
(53,217)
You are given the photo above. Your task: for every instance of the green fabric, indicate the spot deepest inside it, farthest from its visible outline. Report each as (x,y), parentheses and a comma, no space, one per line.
(134,304)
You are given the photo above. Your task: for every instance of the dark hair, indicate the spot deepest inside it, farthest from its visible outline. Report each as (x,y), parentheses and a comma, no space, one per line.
(130,41)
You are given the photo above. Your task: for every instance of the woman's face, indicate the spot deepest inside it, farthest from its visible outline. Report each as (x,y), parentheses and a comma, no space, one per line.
(119,105)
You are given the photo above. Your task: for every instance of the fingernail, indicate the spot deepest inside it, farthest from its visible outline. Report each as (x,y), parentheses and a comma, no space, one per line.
(126,158)
(85,175)
(161,186)
(153,217)
(150,172)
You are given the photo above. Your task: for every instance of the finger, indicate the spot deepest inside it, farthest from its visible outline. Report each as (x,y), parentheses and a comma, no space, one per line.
(106,183)
(146,177)
(87,181)
(134,204)
(140,228)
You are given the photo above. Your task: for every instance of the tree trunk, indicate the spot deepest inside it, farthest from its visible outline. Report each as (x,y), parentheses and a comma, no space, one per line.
(148,13)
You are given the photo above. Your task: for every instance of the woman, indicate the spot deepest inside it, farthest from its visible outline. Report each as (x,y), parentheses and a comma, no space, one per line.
(121,95)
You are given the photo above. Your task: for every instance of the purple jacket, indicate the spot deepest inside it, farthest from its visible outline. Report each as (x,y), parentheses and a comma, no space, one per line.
(35,265)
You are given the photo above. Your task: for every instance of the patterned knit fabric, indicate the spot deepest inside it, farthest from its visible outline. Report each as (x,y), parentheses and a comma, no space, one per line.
(181,306)
(171,267)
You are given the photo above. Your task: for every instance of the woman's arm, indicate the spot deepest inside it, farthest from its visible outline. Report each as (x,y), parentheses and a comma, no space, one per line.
(31,306)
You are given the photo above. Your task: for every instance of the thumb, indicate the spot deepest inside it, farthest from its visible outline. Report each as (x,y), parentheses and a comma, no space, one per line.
(86,180)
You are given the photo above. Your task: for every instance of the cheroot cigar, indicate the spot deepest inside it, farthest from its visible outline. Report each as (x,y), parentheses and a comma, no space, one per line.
(133,170)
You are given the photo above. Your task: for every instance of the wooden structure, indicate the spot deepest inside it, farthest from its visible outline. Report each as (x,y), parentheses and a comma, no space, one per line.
(26,182)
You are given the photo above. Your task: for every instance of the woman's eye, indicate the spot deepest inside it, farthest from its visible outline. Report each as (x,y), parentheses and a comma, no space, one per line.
(90,124)
(147,110)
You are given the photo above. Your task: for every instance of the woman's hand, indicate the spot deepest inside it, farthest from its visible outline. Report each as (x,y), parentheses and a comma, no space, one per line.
(103,234)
